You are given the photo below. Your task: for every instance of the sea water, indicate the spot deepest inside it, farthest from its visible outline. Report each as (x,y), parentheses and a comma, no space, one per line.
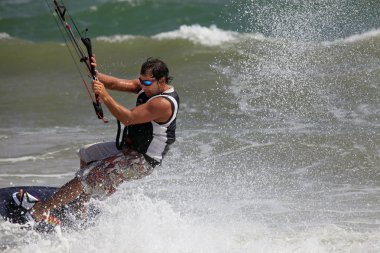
(278,131)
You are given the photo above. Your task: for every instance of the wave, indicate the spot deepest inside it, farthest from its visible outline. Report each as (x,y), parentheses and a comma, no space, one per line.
(208,36)
(4,36)
(116,38)
(15,2)
(197,34)
(356,37)
(23,175)
(213,36)
(46,156)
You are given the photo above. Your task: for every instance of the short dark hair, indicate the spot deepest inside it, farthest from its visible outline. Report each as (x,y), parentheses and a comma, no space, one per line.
(157,68)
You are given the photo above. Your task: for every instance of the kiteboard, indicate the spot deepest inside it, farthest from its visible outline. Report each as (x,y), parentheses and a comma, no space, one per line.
(16,203)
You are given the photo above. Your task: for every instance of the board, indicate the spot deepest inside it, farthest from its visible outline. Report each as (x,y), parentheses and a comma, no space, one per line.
(11,211)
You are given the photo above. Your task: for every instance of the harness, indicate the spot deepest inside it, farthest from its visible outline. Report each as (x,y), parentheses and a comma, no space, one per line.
(139,137)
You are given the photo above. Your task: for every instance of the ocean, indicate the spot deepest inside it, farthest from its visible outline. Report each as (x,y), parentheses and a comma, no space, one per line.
(278,133)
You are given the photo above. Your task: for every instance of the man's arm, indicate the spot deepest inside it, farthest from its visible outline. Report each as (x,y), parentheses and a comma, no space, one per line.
(158,109)
(114,83)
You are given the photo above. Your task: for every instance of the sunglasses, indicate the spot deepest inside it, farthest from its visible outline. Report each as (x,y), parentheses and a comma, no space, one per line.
(147,82)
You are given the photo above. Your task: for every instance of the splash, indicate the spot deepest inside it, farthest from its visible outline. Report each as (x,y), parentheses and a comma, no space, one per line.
(139,223)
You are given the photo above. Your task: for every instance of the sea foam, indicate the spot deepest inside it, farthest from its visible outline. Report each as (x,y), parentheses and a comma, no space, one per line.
(138,223)
(4,36)
(356,37)
(208,36)
(115,38)
(45,156)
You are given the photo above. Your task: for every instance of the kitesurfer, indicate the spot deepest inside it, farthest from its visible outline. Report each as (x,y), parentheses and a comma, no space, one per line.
(149,130)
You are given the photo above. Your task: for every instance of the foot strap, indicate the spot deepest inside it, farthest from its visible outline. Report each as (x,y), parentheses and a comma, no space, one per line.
(24,199)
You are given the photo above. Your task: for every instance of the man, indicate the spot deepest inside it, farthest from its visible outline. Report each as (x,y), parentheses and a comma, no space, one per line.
(150,129)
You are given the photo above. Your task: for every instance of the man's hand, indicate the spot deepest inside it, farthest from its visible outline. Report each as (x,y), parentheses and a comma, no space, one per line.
(92,62)
(99,88)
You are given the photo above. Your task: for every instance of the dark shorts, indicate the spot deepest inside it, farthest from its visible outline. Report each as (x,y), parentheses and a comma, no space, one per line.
(102,177)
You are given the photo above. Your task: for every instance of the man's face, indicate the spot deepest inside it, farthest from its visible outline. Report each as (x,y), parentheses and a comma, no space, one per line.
(149,85)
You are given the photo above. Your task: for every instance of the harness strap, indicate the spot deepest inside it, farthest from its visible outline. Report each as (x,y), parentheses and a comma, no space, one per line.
(119,145)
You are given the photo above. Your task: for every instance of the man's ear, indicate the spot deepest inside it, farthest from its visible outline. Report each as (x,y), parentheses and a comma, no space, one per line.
(161,80)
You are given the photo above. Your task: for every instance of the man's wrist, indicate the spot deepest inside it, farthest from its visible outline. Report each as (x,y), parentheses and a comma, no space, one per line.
(107,98)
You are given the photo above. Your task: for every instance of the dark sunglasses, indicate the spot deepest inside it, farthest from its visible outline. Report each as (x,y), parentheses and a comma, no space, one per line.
(147,82)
